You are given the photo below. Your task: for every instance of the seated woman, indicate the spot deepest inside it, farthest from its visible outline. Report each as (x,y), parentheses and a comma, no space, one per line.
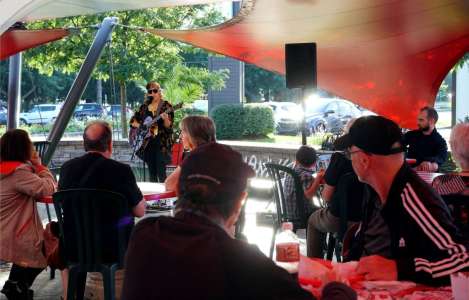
(195,131)
(23,179)
(454,188)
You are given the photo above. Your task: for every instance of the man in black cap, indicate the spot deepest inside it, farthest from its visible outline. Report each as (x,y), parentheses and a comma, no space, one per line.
(406,232)
(194,255)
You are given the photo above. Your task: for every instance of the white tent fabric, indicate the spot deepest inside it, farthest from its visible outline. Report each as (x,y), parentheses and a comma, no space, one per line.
(12,11)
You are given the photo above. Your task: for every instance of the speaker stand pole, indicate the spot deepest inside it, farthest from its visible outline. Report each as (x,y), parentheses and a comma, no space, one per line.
(303,123)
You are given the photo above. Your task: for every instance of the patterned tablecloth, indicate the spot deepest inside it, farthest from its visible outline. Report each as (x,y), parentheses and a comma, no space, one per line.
(382,290)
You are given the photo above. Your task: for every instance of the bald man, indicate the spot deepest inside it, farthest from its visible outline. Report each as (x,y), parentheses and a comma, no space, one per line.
(97,170)
(100,170)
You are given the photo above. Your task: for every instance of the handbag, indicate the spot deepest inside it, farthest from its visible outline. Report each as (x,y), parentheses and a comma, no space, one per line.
(51,246)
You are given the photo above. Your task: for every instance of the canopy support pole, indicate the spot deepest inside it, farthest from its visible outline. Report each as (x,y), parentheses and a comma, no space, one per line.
(14,91)
(76,91)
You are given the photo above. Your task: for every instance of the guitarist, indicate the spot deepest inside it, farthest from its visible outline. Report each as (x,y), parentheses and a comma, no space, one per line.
(158,149)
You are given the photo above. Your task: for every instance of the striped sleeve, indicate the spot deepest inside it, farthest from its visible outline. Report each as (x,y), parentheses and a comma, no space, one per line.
(455,256)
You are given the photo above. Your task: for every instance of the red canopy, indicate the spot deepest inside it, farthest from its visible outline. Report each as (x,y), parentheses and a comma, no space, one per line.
(387,56)
(14,41)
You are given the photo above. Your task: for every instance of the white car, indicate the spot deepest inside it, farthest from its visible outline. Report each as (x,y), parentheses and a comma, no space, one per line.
(200,105)
(40,114)
(287,117)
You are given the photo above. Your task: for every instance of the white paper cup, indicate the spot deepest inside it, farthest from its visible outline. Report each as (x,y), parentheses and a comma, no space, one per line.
(460,285)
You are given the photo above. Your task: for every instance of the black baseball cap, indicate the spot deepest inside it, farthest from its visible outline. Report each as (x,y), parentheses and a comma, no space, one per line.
(373,134)
(216,165)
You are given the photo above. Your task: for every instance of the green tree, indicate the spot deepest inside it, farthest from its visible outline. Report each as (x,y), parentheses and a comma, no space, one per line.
(132,54)
(264,85)
(464,60)
(188,84)
(35,88)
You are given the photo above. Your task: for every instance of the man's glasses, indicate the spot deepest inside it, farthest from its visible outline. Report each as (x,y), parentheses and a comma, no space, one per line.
(348,153)
(152,91)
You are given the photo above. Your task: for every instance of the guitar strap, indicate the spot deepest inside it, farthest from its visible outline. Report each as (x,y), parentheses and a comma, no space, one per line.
(158,109)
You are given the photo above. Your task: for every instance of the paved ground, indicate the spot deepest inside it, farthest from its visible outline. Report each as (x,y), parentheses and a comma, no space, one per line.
(260,235)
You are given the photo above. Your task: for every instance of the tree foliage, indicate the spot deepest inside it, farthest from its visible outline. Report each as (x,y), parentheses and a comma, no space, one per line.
(188,84)
(264,85)
(132,56)
(464,60)
(135,55)
(35,88)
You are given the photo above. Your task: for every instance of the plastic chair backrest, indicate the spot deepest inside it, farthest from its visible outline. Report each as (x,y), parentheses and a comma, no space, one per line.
(278,173)
(95,225)
(41,147)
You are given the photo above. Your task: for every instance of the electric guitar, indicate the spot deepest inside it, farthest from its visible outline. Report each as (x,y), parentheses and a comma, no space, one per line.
(139,137)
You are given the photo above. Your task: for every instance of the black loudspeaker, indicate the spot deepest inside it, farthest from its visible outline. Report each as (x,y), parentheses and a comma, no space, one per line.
(300,65)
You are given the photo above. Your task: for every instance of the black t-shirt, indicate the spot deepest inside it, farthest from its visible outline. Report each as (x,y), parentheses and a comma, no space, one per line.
(423,147)
(338,166)
(190,257)
(340,174)
(107,174)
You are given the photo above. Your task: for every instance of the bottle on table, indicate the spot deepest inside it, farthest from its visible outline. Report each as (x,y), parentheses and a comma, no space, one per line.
(287,245)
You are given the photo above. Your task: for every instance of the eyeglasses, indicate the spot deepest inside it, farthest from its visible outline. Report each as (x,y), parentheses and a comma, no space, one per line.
(348,153)
(152,91)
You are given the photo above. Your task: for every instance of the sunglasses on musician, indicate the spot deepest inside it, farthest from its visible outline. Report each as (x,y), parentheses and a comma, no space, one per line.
(152,91)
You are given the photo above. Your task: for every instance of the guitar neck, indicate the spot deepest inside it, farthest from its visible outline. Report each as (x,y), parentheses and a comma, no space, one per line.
(156,119)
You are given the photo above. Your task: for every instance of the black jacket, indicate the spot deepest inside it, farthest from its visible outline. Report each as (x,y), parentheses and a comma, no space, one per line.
(424,241)
(190,257)
(422,147)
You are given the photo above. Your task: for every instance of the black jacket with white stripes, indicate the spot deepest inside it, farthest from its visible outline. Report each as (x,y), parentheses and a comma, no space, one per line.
(424,241)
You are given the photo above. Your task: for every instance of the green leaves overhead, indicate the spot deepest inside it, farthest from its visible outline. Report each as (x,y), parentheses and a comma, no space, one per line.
(188,84)
(135,55)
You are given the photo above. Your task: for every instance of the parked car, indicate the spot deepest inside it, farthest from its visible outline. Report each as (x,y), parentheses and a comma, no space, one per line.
(200,105)
(85,111)
(287,117)
(3,115)
(114,111)
(443,105)
(40,114)
(329,115)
